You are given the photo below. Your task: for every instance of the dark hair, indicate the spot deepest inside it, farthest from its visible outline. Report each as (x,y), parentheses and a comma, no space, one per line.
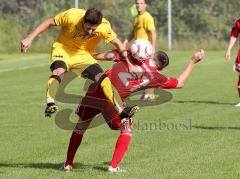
(93,16)
(162,57)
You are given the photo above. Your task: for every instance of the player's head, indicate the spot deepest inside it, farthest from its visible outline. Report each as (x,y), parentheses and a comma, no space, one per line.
(161,59)
(141,5)
(91,20)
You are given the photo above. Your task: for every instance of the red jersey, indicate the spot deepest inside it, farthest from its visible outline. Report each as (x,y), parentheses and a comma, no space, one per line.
(147,77)
(236,29)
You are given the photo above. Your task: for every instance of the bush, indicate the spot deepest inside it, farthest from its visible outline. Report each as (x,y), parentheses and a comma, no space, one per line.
(10,33)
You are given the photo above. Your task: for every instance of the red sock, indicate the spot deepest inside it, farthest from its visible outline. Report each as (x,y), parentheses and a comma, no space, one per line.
(74,143)
(239,86)
(120,149)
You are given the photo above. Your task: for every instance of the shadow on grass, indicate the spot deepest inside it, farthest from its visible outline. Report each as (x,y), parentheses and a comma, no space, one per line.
(215,128)
(205,102)
(57,166)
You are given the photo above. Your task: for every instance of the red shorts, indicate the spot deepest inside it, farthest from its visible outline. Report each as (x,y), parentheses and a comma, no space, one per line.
(93,104)
(237,62)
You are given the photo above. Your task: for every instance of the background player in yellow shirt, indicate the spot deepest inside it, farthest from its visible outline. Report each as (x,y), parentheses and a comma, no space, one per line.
(80,32)
(143,28)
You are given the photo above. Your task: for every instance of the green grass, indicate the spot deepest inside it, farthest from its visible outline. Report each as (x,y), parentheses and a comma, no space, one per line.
(33,146)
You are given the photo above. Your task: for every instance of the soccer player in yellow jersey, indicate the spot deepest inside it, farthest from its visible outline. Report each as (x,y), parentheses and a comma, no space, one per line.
(80,32)
(143,28)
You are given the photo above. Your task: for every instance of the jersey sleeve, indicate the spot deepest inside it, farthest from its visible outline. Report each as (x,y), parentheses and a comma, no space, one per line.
(171,83)
(107,33)
(150,23)
(236,29)
(61,19)
(162,81)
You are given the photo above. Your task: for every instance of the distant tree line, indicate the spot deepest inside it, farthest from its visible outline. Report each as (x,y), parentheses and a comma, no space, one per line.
(205,23)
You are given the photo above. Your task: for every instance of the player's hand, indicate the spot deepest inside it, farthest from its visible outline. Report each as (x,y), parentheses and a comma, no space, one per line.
(228,55)
(25,44)
(198,56)
(132,68)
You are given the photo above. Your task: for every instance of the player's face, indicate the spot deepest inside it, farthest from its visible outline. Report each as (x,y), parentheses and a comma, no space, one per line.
(141,5)
(89,28)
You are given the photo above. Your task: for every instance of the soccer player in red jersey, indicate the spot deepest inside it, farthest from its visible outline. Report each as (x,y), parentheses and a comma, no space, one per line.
(126,83)
(233,38)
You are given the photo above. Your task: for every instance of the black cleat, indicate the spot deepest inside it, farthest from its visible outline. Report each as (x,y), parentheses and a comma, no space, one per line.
(50,109)
(129,112)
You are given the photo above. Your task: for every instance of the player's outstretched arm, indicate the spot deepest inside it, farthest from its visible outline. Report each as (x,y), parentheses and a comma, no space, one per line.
(108,56)
(25,43)
(198,56)
(230,45)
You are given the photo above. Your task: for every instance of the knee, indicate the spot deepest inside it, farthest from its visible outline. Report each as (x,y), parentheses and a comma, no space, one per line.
(58,68)
(59,72)
(93,72)
(99,77)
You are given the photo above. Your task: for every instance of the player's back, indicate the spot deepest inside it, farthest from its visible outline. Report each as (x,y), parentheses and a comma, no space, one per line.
(126,83)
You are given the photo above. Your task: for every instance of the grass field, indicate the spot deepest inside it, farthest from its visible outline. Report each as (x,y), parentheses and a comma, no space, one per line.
(195,135)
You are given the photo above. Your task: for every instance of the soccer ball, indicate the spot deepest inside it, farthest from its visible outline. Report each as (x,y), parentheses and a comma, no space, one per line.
(141,49)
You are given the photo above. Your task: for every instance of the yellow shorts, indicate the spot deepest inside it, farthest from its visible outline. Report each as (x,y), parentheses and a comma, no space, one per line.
(76,61)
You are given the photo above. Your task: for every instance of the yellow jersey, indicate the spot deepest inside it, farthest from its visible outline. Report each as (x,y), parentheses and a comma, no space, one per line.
(72,34)
(143,23)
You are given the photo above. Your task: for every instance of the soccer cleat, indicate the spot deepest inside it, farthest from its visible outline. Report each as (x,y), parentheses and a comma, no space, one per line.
(237,105)
(115,170)
(66,168)
(128,112)
(50,109)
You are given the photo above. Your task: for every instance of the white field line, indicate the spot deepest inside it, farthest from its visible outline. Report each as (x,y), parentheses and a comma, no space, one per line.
(23,68)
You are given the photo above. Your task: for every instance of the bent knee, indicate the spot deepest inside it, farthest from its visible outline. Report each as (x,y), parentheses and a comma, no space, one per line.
(58,67)
(59,72)
(93,72)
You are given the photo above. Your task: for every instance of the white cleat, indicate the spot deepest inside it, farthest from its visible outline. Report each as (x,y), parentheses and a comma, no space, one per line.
(115,170)
(237,105)
(66,168)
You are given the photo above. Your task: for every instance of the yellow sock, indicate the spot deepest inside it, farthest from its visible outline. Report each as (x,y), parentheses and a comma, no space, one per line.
(111,94)
(52,88)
